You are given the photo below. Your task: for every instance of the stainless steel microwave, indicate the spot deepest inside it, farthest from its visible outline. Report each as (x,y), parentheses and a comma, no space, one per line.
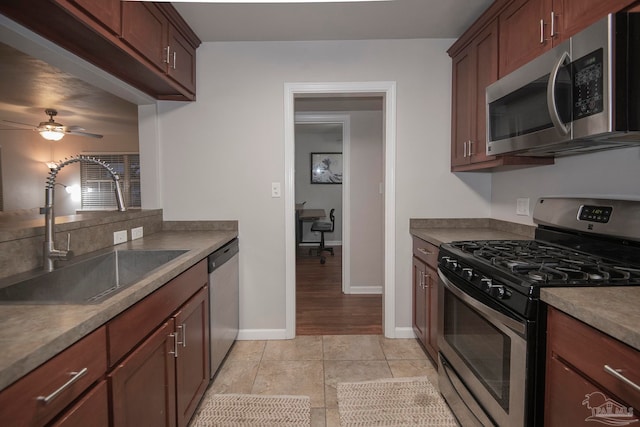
(582,95)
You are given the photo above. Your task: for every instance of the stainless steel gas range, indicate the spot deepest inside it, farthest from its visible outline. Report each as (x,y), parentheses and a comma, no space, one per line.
(491,330)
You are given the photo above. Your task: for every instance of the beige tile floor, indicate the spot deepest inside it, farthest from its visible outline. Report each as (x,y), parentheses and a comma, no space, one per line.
(314,365)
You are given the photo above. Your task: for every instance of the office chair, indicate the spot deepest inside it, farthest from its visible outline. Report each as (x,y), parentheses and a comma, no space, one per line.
(324,227)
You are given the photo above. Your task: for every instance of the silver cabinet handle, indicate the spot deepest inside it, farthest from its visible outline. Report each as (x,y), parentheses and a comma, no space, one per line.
(183,331)
(470,148)
(422,280)
(541,31)
(616,373)
(175,345)
(424,251)
(174,59)
(75,377)
(553,24)
(464,154)
(168,50)
(427,285)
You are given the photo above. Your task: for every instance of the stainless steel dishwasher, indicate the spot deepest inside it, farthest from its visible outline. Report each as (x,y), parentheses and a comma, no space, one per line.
(223,301)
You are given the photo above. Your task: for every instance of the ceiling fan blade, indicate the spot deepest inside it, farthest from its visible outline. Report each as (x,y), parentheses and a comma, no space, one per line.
(76,132)
(17,124)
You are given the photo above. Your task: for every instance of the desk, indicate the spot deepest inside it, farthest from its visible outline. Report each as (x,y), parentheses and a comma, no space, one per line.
(304,215)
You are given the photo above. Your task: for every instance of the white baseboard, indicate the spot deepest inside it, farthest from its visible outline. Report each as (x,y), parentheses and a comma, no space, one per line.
(261,334)
(404,332)
(363,289)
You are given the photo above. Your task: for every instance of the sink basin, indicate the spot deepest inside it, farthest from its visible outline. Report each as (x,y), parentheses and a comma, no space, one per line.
(89,281)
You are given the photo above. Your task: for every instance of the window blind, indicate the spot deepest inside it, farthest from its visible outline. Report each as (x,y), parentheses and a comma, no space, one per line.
(98,188)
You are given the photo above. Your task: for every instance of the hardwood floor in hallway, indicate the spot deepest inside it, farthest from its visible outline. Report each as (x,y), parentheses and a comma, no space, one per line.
(322,308)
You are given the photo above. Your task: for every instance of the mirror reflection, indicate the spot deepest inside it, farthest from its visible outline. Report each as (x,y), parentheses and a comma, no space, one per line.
(29,87)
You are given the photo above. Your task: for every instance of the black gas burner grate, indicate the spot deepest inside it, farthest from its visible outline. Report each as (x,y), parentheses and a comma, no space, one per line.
(544,264)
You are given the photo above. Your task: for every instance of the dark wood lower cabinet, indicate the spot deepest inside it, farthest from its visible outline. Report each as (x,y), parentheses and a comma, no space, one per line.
(143,390)
(91,410)
(425,295)
(579,391)
(192,361)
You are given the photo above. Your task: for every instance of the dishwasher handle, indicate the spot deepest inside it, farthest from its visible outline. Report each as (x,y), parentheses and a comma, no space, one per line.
(222,255)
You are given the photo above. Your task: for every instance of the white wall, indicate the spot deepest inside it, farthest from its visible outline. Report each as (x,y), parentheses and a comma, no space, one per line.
(219,155)
(367,203)
(614,173)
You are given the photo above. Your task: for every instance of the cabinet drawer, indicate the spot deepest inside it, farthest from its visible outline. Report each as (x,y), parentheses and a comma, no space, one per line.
(132,326)
(589,351)
(92,410)
(21,404)
(425,251)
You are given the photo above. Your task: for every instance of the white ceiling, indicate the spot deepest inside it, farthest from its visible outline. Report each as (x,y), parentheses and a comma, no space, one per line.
(396,19)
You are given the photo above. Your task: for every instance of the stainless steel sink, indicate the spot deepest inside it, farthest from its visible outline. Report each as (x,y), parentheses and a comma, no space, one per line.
(88,281)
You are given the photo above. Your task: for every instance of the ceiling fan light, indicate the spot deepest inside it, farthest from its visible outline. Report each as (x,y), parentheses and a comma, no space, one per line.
(52,135)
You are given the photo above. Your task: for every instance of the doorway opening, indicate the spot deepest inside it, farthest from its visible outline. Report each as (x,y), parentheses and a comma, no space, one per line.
(384,92)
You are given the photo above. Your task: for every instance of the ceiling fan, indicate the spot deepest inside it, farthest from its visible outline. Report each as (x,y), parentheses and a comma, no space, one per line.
(51,130)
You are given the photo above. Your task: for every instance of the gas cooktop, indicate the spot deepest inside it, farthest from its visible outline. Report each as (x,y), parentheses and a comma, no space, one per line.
(544,264)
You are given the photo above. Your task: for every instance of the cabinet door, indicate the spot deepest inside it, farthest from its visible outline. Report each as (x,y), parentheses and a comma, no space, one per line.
(105,12)
(419,301)
(572,16)
(461,107)
(182,60)
(431,283)
(485,72)
(521,35)
(572,400)
(143,388)
(92,410)
(146,29)
(192,362)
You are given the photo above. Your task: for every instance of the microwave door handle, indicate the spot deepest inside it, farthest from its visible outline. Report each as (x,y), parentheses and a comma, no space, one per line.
(551,98)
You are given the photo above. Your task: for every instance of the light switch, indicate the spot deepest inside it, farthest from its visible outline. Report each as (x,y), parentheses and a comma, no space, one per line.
(275,189)
(119,237)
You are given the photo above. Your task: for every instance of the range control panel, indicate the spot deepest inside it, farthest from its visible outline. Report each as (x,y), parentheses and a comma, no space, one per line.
(595,213)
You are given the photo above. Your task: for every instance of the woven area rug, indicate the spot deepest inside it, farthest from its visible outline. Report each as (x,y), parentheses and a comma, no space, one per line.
(250,410)
(393,402)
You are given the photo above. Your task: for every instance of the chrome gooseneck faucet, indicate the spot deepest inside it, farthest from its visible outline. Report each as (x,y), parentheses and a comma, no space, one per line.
(50,252)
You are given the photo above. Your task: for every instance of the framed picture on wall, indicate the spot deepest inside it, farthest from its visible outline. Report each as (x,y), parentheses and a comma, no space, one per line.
(326,168)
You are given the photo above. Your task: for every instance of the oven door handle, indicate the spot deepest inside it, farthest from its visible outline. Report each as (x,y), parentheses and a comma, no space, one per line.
(493,315)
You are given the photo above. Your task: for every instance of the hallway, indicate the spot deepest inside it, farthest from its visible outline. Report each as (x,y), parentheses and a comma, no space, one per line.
(322,308)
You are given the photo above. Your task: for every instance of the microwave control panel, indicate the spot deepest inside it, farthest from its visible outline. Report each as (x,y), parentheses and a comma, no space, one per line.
(588,85)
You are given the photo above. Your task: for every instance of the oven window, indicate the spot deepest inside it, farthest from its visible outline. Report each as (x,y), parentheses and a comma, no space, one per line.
(484,348)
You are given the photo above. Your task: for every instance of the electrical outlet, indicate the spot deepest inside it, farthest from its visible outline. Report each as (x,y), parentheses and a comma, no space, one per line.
(275,189)
(522,206)
(136,233)
(119,237)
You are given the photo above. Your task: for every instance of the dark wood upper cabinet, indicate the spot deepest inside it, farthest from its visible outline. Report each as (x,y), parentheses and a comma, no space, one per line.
(530,27)
(146,29)
(103,12)
(133,41)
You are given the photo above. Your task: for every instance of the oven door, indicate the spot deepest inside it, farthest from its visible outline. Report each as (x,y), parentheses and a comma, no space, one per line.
(483,357)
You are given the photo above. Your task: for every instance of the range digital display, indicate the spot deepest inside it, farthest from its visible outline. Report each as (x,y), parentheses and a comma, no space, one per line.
(595,213)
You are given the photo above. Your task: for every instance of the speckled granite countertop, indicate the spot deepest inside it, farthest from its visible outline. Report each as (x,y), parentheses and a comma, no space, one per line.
(612,310)
(32,334)
(444,230)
